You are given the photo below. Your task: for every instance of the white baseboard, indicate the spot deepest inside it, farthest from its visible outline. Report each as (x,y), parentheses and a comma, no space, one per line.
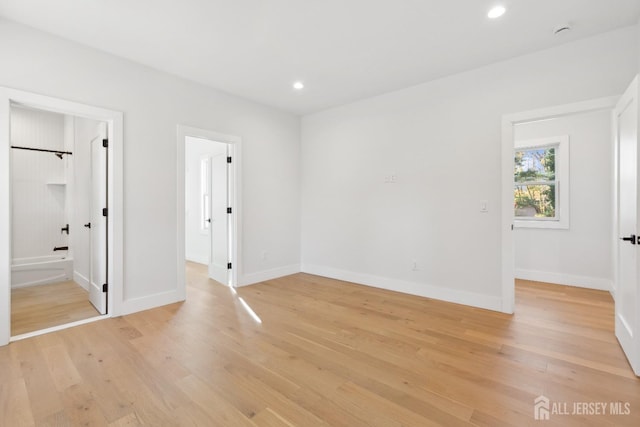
(597,283)
(81,280)
(197,259)
(48,281)
(274,273)
(413,288)
(134,305)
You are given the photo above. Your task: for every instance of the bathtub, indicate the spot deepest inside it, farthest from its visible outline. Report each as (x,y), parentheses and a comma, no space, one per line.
(41,270)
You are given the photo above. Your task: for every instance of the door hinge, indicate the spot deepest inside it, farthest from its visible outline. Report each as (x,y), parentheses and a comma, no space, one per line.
(105,143)
(105,212)
(229,266)
(229,159)
(229,210)
(105,288)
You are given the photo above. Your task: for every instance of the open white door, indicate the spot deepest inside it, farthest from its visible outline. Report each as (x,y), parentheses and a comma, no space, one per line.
(219,266)
(627,306)
(97,293)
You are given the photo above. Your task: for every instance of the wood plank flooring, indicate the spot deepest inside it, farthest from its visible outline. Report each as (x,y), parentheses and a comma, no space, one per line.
(39,307)
(326,353)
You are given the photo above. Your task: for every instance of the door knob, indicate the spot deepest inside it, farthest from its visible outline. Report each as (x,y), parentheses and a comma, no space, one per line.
(631,239)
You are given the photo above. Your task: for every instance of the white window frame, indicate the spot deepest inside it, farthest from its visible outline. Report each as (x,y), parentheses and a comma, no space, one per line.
(561,220)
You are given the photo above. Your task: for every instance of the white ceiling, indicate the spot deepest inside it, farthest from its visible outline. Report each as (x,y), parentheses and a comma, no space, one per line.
(343,50)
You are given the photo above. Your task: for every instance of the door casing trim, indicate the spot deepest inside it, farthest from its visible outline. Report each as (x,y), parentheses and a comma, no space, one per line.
(114,120)
(506,211)
(235,150)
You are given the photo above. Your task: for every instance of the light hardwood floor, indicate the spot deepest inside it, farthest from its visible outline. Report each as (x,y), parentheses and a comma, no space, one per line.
(39,307)
(326,353)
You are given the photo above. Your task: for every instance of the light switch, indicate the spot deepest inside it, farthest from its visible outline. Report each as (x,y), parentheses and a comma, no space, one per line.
(484,206)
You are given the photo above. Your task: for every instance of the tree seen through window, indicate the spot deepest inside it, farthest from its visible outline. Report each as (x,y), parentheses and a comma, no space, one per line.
(535,182)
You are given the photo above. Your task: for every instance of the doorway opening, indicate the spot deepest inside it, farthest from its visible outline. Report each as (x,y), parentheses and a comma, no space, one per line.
(58,232)
(61,210)
(540,210)
(207,217)
(563,203)
(620,201)
(208,211)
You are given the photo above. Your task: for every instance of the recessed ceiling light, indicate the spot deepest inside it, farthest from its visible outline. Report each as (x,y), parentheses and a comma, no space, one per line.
(496,12)
(298,85)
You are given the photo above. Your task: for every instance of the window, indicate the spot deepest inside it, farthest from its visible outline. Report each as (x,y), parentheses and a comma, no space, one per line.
(535,182)
(541,184)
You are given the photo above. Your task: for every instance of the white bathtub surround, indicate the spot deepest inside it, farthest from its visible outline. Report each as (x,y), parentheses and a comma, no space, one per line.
(40,270)
(39,199)
(48,194)
(38,183)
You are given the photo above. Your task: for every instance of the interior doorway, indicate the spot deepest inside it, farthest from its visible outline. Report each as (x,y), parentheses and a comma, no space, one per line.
(563,203)
(58,184)
(509,208)
(622,204)
(208,204)
(59,223)
(208,210)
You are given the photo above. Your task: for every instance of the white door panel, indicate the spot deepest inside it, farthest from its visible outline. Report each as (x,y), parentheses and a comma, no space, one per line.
(626,304)
(218,269)
(98,222)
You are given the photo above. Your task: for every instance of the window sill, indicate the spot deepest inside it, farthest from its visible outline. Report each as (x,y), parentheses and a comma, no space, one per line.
(551,225)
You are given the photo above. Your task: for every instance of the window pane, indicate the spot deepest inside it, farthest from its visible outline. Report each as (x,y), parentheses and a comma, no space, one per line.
(535,164)
(535,201)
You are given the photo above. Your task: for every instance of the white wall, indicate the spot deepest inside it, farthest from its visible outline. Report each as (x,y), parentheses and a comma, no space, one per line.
(443,142)
(38,207)
(638,42)
(581,255)
(197,242)
(153,104)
